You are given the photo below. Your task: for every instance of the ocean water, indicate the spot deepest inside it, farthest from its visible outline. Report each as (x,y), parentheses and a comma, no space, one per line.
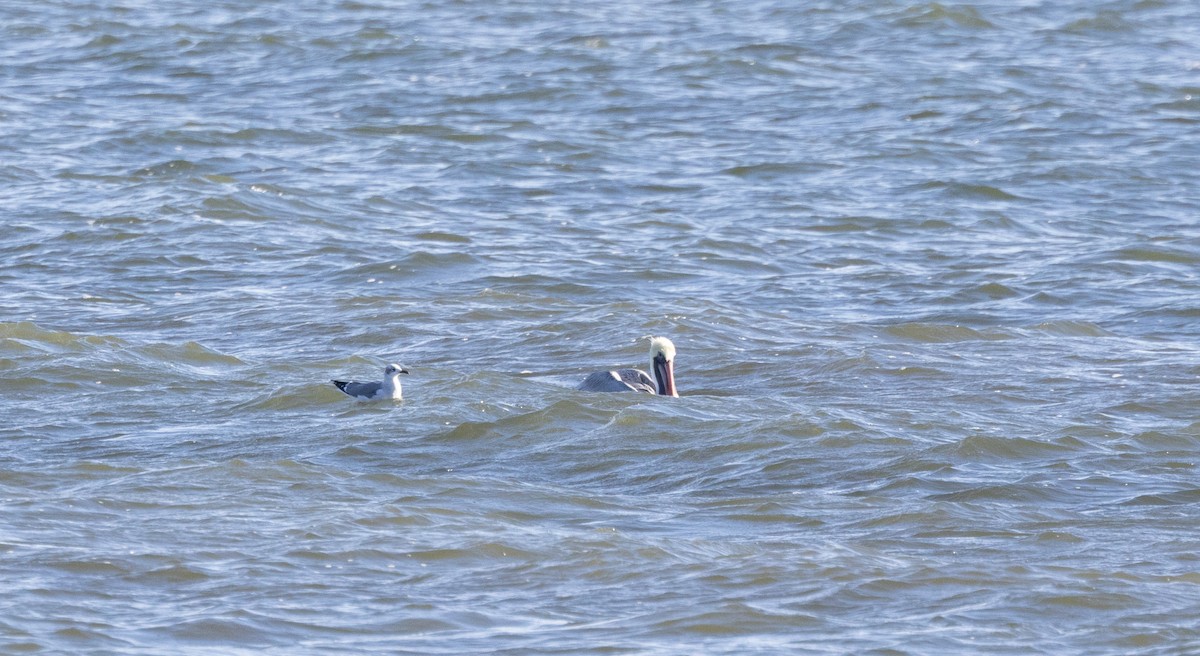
(931,269)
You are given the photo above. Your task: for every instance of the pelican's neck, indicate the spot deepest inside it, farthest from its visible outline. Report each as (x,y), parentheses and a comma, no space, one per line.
(664,377)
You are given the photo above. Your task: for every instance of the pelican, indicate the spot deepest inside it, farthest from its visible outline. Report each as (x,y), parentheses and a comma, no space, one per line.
(388,389)
(662,364)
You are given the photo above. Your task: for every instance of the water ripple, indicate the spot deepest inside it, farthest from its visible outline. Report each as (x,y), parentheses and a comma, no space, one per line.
(929,269)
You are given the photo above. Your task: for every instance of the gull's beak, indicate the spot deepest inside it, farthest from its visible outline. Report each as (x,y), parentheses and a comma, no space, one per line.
(402,370)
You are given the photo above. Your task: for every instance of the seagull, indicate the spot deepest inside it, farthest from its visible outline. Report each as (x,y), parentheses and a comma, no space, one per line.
(662,363)
(388,389)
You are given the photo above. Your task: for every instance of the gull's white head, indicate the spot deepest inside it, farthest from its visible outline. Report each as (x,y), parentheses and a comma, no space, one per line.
(393,370)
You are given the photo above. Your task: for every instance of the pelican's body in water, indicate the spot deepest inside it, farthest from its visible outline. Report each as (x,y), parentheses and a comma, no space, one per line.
(662,366)
(388,389)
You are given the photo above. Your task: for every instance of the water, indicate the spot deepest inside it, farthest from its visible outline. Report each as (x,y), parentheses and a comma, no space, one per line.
(931,270)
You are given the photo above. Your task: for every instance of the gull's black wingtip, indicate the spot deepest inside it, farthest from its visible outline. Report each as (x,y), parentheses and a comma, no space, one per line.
(341,384)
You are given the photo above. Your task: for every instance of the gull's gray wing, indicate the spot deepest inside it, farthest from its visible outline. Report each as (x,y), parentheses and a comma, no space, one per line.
(621,380)
(363,390)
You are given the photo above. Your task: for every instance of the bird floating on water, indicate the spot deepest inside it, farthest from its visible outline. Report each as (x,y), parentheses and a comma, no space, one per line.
(388,389)
(662,364)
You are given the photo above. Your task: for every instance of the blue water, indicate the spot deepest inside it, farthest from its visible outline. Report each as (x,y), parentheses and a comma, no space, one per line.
(931,270)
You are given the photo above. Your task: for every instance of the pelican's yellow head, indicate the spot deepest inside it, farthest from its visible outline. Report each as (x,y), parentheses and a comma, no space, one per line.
(663,346)
(662,364)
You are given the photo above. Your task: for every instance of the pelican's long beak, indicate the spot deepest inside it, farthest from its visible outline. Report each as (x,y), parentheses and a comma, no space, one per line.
(664,375)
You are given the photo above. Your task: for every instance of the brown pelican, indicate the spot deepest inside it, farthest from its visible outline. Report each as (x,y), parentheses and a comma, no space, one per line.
(388,389)
(662,364)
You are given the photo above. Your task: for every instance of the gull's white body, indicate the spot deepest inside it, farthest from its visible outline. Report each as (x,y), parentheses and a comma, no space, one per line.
(388,389)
